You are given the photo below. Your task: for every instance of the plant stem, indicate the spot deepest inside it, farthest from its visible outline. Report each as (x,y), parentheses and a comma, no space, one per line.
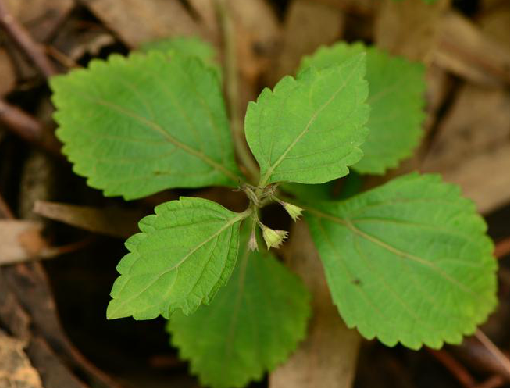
(232,91)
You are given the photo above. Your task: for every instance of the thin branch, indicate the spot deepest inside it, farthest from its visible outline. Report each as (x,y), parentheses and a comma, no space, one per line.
(27,127)
(496,353)
(23,39)
(232,90)
(454,367)
(502,248)
(495,381)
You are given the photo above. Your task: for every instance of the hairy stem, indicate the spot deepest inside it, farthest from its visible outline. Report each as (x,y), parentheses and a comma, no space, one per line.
(232,91)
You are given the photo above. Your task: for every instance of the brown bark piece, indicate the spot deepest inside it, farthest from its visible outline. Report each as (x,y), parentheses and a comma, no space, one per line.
(15,368)
(308,25)
(140,21)
(327,358)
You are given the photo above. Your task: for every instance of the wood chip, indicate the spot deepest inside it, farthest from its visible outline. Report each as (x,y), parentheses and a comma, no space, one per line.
(139,21)
(15,368)
(328,357)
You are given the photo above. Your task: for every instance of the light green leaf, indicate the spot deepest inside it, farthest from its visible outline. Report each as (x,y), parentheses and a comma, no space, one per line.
(189,46)
(407,262)
(396,99)
(134,126)
(309,130)
(252,325)
(186,251)
(185,46)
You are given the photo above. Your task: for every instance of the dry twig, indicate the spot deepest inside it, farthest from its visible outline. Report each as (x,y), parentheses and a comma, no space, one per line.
(23,39)
(27,127)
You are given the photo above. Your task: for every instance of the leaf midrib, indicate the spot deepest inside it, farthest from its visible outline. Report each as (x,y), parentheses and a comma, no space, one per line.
(349,225)
(239,217)
(269,172)
(156,127)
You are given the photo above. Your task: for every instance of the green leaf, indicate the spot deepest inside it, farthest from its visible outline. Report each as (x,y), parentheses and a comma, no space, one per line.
(186,251)
(407,262)
(189,46)
(396,99)
(252,325)
(134,126)
(308,130)
(185,46)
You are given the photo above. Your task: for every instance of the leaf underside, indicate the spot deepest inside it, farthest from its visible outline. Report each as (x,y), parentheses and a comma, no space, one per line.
(396,100)
(407,262)
(252,325)
(186,251)
(309,130)
(138,125)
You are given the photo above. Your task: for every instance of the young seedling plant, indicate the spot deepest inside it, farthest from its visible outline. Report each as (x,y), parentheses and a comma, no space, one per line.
(408,262)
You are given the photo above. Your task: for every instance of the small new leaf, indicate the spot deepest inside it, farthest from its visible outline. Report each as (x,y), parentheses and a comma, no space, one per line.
(138,125)
(186,251)
(187,46)
(407,262)
(251,326)
(309,130)
(183,45)
(396,99)
(293,210)
(273,238)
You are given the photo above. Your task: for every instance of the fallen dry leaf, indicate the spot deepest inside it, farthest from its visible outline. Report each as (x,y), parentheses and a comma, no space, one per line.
(467,51)
(21,241)
(363,7)
(473,146)
(140,21)
(308,25)
(328,357)
(110,221)
(15,368)
(409,28)
(41,17)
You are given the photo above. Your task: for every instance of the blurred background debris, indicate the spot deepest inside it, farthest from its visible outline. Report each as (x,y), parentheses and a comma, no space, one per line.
(53,331)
